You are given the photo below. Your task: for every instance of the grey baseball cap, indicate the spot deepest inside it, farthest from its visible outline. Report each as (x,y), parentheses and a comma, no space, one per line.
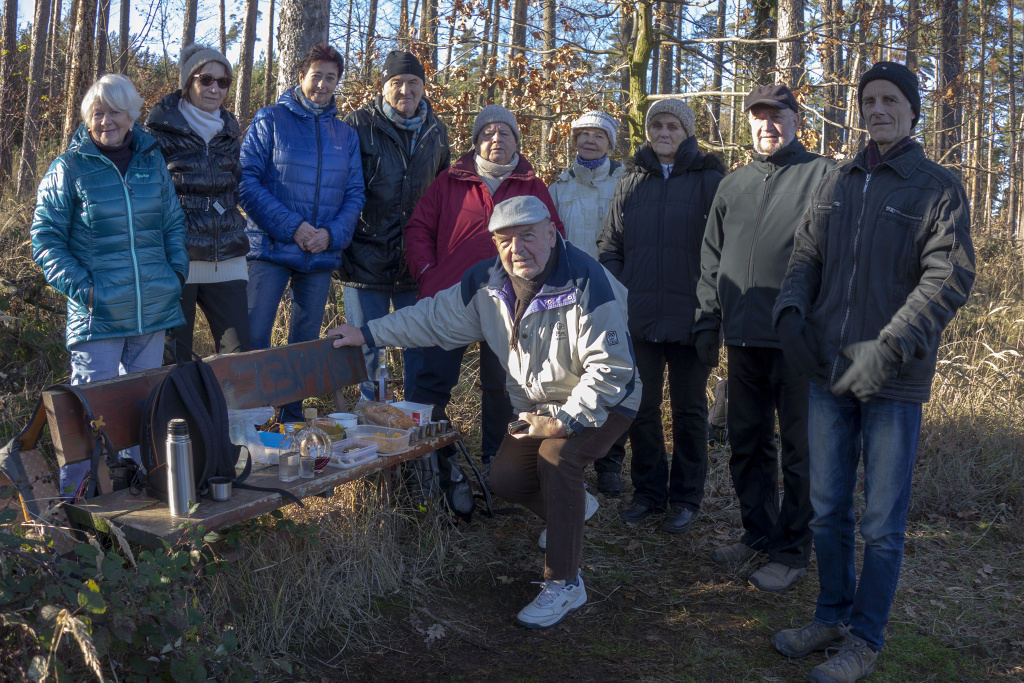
(521,210)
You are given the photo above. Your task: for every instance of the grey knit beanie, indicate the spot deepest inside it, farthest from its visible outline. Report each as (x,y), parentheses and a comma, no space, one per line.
(677,108)
(495,113)
(596,119)
(194,56)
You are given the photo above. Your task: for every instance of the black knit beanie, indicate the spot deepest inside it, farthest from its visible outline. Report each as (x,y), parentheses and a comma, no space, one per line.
(900,76)
(398,63)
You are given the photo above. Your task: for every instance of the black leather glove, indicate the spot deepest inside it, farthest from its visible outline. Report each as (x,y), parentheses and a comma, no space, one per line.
(874,364)
(706,343)
(798,353)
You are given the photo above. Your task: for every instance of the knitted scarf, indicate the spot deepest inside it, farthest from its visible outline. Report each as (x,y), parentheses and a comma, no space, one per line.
(590,163)
(413,124)
(205,124)
(526,291)
(308,104)
(491,173)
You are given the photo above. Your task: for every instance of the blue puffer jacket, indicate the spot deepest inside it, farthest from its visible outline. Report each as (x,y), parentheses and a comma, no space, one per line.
(300,167)
(122,237)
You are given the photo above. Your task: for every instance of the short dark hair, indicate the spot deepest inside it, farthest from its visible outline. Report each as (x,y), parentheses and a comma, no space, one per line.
(321,52)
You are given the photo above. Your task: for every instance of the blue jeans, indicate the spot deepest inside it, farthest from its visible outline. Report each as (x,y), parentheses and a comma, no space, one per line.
(92,361)
(364,305)
(885,433)
(308,291)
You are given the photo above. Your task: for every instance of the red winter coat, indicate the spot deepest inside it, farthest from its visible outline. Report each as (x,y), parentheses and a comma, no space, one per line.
(447,233)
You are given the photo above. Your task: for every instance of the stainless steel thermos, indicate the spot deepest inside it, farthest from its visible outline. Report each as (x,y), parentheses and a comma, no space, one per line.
(181,483)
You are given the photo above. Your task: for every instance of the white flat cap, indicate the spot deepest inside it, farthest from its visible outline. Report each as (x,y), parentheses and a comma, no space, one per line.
(521,210)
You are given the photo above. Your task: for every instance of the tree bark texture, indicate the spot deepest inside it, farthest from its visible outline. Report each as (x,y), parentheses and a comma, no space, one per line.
(428,31)
(639,61)
(81,74)
(102,33)
(51,43)
(30,131)
(549,54)
(371,31)
(301,24)
(764,53)
(668,29)
(8,106)
(949,81)
(123,49)
(267,91)
(789,64)
(716,79)
(188,35)
(222,30)
(243,90)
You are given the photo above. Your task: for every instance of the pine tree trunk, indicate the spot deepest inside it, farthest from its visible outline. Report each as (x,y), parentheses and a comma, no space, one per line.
(301,24)
(188,35)
(30,131)
(102,32)
(949,82)
(1010,211)
(428,31)
(639,60)
(716,79)
(550,9)
(81,74)
(492,62)
(790,55)
(8,98)
(626,41)
(243,91)
(665,64)
(267,92)
(518,43)
(764,53)
(913,31)
(371,30)
(123,49)
(51,46)
(222,29)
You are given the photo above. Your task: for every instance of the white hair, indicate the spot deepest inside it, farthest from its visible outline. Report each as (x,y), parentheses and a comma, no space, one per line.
(117,92)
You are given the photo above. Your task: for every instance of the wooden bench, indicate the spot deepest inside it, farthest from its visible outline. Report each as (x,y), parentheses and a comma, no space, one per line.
(249,380)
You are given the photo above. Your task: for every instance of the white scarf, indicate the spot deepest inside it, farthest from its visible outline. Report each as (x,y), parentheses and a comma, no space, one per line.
(205,124)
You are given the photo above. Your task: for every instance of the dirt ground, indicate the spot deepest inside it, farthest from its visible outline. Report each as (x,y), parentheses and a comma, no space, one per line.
(660,610)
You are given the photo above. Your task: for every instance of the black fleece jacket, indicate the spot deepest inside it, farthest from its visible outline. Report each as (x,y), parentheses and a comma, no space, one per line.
(748,242)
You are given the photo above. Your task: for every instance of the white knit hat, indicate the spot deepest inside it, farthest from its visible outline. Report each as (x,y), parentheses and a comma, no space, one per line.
(677,108)
(596,119)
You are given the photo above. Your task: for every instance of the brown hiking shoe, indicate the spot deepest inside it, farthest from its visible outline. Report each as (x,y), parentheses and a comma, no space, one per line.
(812,637)
(854,661)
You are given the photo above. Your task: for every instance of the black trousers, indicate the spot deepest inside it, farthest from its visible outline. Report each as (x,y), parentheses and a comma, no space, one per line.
(654,483)
(226,308)
(439,374)
(761,383)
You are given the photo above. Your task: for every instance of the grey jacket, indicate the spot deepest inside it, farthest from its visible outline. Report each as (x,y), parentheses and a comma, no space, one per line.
(887,256)
(574,359)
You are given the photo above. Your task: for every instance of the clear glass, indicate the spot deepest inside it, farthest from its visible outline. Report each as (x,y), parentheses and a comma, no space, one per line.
(382,377)
(288,462)
(313,443)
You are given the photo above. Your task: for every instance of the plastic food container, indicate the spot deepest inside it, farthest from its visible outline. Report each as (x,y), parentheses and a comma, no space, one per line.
(419,412)
(271,445)
(348,453)
(388,439)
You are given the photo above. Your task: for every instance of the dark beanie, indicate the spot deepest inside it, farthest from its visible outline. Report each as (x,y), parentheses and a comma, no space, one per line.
(399,63)
(900,76)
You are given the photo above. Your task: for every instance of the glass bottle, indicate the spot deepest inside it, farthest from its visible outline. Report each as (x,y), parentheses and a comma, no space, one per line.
(313,443)
(288,461)
(382,377)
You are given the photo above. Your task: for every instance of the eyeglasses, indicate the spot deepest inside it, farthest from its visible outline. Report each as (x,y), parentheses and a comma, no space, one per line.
(206,80)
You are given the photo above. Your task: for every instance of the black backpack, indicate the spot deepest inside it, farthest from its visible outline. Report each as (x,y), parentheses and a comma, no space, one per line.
(190,391)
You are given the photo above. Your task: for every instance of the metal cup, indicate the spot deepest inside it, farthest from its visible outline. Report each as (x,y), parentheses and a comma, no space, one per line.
(442,427)
(220,488)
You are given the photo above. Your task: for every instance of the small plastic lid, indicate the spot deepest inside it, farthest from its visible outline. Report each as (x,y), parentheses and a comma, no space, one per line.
(309,413)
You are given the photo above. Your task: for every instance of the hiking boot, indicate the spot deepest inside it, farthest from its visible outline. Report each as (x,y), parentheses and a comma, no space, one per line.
(734,554)
(555,602)
(678,520)
(812,637)
(854,661)
(775,576)
(636,513)
(609,483)
(589,512)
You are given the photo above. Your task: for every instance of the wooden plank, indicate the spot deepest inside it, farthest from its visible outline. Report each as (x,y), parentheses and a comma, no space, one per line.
(146,521)
(249,380)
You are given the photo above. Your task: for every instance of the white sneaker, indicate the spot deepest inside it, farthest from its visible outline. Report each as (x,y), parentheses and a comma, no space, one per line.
(591,510)
(555,602)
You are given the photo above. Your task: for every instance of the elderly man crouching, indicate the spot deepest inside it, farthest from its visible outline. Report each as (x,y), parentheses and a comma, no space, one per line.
(571,376)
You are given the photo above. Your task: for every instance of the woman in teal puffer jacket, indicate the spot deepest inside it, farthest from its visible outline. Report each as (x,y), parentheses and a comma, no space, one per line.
(109,234)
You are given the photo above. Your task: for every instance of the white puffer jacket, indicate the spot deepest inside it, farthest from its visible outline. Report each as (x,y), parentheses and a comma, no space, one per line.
(574,359)
(582,197)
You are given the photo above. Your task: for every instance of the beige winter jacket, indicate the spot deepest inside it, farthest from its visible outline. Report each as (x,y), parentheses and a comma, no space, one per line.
(582,197)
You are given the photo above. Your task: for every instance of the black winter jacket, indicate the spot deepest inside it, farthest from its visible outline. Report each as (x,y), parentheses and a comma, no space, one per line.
(748,242)
(394,183)
(887,256)
(203,173)
(652,237)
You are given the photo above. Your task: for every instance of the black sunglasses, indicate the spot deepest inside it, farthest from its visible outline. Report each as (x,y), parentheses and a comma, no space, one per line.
(206,80)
